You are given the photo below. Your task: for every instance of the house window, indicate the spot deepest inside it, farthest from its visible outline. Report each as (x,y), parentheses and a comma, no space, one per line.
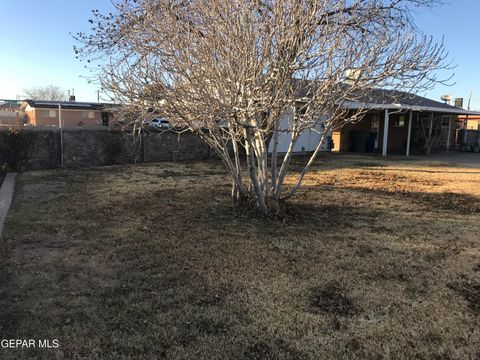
(50,113)
(399,121)
(88,115)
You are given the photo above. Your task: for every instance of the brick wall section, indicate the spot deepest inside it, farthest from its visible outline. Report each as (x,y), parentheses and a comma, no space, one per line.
(93,147)
(40,117)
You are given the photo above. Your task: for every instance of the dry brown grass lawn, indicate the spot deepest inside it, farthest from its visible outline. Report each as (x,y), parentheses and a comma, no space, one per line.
(376,260)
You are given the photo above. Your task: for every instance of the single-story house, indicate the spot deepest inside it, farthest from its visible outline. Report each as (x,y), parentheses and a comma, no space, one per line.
(67,113)
(410,120)
(470,122)
(11,113)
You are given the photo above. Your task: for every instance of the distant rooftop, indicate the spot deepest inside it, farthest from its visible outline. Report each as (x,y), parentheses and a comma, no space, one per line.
(68,105)
(10,104)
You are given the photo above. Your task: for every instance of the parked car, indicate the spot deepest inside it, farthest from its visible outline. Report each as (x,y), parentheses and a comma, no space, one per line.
(159,123)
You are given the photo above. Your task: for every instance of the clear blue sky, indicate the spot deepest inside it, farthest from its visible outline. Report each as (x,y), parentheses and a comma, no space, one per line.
(36,47)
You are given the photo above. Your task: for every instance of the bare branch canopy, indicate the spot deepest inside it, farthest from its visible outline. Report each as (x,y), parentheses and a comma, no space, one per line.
(48,92)
(241,73)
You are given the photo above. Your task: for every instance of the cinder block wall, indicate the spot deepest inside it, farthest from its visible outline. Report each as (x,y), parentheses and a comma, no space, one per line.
(94,147)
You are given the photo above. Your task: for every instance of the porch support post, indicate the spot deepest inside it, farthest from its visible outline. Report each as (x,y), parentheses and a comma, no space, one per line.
(465,128)
(449,131)
(60,125)
(409,132)
(385,133)
(430,131)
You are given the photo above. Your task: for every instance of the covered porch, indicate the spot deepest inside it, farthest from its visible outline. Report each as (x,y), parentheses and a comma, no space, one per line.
(400,129)
(423,131)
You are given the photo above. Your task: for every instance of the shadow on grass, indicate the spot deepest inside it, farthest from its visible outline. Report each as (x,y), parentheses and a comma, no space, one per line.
(469,289)
(332,299)
(178,274)
(446,201)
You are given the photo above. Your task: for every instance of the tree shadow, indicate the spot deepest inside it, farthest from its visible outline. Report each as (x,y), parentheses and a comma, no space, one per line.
(445,201)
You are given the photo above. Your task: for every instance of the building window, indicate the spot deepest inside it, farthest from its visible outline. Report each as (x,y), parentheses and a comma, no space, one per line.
(51,113)
(88,115)
(399,121)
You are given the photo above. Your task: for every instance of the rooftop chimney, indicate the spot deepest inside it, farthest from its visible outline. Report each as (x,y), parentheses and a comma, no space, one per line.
(71,97)
(459,102)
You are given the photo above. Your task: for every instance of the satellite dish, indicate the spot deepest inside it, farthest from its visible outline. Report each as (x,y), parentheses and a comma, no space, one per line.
(352,74)
(446,98)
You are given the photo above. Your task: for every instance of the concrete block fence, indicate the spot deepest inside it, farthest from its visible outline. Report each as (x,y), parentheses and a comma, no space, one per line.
(99,146)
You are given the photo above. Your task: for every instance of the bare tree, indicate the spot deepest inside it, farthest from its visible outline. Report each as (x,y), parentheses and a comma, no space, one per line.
(48,92)
(241,73)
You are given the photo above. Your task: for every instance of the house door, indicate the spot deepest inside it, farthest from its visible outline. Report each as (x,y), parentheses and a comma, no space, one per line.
(104,119)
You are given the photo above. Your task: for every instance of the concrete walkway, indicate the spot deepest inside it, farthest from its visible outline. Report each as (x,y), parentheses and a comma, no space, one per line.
(6,195)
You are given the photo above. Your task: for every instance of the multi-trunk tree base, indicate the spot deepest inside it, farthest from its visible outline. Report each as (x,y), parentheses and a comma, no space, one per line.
(275,209)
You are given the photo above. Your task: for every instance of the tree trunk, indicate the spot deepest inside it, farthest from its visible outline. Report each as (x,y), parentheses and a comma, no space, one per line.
(252,171)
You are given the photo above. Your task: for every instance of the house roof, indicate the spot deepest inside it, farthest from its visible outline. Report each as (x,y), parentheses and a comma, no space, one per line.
(471,117)
(400,100)
(388,99)
(67,105)
(10,104)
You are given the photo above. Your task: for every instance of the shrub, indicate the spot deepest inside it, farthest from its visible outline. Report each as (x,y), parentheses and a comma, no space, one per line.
(16,148)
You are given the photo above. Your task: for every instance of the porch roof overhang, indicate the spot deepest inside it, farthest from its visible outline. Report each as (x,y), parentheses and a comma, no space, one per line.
(407,107)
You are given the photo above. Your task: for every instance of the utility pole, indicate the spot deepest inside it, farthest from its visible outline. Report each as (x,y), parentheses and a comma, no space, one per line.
(60,125)
(466,119)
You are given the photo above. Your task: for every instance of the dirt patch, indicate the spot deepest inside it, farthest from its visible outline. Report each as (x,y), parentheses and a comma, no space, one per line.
(331,299)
